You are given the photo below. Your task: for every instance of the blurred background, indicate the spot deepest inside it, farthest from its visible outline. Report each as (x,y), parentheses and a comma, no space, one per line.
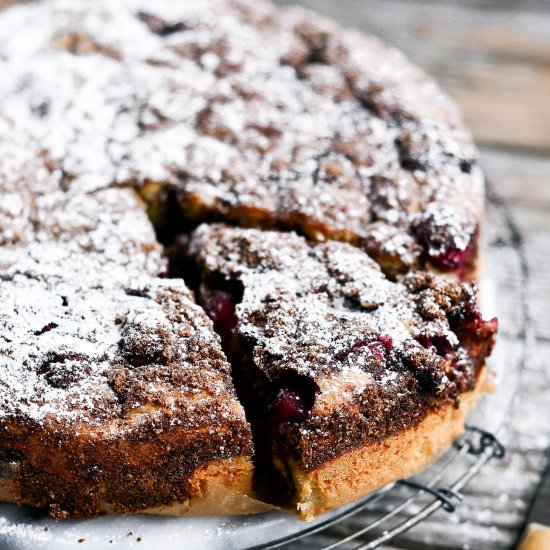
(493,58)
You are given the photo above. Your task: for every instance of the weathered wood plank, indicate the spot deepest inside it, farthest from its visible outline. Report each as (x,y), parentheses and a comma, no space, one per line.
(523,179)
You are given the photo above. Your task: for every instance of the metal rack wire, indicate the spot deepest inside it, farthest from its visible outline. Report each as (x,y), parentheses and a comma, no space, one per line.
(470,453)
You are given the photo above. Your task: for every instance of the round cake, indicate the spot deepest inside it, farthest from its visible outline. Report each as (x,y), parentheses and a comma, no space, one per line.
(238,251)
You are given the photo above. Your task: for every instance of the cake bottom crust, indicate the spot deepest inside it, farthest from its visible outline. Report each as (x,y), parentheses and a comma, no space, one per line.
(365,469)
(222,488)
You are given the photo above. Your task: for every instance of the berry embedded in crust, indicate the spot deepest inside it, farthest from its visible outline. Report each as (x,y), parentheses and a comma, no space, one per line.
(342,357)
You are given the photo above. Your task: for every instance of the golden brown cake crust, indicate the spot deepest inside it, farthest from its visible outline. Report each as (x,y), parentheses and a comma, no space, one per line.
(365,469)
(219,488)
(334,356)
(114,394)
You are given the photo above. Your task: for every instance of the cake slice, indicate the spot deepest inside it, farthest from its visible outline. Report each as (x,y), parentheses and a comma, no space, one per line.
(353,380)
(115,395)
(115,399)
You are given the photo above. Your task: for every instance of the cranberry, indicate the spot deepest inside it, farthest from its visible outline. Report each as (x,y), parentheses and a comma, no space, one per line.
(76,357)
(288,405)
(426,342)
(491,325)
(358,345)
(59,358)
(387,340)
(436,344)
(453,260)
(442,345)
(221,310)
(46,328)
(377,350)
(463,375)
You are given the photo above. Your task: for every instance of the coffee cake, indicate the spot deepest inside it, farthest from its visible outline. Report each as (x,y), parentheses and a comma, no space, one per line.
(126,125)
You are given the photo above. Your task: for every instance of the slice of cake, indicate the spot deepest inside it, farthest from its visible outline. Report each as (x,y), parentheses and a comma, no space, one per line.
(354,380)
(115,395)
(115,399)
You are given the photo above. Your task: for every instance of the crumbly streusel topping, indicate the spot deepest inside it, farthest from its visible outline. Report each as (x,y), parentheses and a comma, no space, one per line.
(315,309)
(95,356)
(320,324)
(265,116)
(236,110)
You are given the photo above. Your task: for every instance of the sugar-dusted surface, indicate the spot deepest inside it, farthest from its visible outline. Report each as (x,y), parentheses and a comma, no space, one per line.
(267,117)
(126,383)
(490,56)
(380,354)
(321,130)
(75,354)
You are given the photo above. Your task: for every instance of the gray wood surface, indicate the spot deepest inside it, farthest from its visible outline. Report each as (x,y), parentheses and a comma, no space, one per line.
(494,58)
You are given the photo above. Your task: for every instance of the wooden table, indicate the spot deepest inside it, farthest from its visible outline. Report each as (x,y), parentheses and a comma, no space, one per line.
(493,56)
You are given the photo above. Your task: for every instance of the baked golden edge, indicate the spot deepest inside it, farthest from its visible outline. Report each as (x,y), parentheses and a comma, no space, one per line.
(363,470)
(223,487)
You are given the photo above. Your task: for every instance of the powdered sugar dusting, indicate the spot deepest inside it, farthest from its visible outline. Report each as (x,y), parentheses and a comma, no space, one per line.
(246,111)
(229,109)
(325,308)
(65,342)
(371,355)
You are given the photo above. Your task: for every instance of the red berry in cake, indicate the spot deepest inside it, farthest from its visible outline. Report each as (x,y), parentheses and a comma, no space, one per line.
(483,328)
(453,260)
(288,405)
(221,310)
(46,328)
(436,344)
(138,359)
(357,346)
(378,347)
(387,340)
(76,357)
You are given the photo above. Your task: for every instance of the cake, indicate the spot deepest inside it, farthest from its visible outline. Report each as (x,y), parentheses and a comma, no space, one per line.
(353,379)
(238,248)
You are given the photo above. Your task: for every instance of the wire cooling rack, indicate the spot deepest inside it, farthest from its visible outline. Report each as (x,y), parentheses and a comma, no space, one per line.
(420,499)
(392,511)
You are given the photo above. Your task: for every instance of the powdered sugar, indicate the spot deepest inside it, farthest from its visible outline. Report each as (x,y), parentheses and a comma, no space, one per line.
(222,103)
(316,309)
(234,110)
